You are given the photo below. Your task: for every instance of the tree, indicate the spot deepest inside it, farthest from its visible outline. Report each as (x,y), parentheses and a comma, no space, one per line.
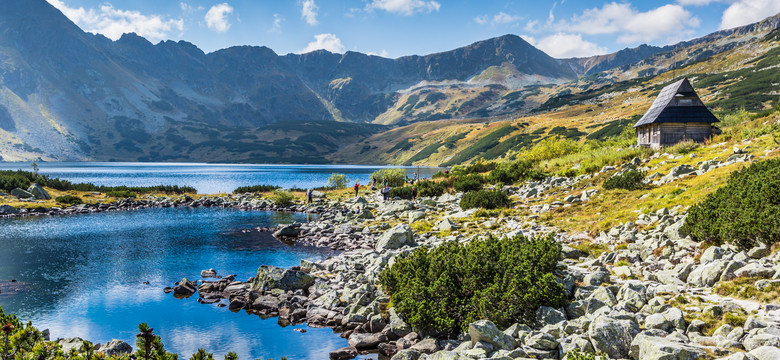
(34,167)
(337,181)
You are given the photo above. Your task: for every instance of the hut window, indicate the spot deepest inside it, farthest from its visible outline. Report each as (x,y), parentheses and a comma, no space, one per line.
(686,101)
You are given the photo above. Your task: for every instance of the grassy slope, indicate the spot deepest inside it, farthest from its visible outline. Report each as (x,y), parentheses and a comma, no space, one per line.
(592,104)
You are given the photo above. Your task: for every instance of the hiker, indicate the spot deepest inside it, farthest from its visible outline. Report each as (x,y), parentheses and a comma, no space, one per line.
(385,192)
(414,193)
(345,211)
(309,195)
(357,187)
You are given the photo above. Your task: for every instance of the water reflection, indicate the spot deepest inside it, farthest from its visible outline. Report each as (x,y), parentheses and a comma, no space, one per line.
(84,276)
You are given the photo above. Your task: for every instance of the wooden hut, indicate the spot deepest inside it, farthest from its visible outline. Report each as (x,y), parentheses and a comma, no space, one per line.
(676,114)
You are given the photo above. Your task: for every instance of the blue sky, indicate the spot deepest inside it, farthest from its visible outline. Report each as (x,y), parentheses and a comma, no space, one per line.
(394,28)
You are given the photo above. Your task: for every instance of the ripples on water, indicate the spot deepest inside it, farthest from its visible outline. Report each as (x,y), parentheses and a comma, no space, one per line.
(84,276)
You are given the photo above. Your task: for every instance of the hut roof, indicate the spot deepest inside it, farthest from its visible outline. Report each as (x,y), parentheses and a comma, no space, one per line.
(664,111)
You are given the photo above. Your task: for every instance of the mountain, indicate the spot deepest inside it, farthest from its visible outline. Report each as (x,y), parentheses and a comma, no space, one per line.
(69,95)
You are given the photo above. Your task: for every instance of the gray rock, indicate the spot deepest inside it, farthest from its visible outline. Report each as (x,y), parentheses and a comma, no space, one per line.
(185,287)
(759,252)
(708,274)
(406,354)
(766,353)
(366,341)
(572,253)
(711,254)
(542,341)
(38,192)
(485,330)
(426,346)
(115,348)
(447,225)
(416,215)
(272,277)
(755,270)
(344,353)
(645,347)
(21,194)
(632,295)
(70,343)
(756,341)
(291,230)
(597,278)
(546,315)
(738,356)
(395,238)
(210,273)
(612,336)
(8,210)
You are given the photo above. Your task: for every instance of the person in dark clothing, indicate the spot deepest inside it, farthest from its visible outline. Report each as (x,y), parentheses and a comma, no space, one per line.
(357,188)
(386,192)
(309,195)
(414,193)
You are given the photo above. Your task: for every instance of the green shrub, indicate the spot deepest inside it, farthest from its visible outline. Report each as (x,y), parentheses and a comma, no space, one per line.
(684,147)
(744,212)
(629,180)
(551,148)
(446,288)
(69,200)
(471,182)
(485,199)
(576,354)
(254,189)
(337,181)
(121,194)
(430,188)
(282,198)
(10,180)
(512,172)
(403,192)
(393,176)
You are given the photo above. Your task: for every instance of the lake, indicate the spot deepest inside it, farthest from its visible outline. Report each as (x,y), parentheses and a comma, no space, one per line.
(206,178)
(84,275)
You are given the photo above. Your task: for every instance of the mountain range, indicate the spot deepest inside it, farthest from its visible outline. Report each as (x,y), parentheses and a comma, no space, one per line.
(70,95)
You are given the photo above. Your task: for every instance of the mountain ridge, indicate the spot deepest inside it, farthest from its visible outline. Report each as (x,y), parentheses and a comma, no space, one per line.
(69,95)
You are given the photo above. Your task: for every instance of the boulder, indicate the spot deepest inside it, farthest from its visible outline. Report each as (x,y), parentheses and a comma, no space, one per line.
(39,192)
(291,230)
(185,287)
(21,194)
(485,330)
(546,315)
(395,238)
(427,346)
(406,354)
(756,341)
(115,348)
(366,341)
(708,274)
(612,336)
(70,343)
(344,353)
(632,295)
(766,353)
(759,252)
(711,254)
(210,273)
(271,277)
(8,210)
(447,224)
(755,270)
(647,347)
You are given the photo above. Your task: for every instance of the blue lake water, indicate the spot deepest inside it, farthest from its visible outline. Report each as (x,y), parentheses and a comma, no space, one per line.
(84,275)
(206,178)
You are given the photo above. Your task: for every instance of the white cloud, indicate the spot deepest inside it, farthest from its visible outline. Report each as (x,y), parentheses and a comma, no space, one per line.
(745,12)
(563,45)
(189,9)
(217,17)
(499,19)
(668,22)
(309,12)
(700,2)
(327,42)
(530,39)
(404,7)
(112,22)
(277,25)
(382,53)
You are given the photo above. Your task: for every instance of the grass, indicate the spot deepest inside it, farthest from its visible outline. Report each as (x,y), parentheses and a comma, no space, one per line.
(744,288)
(591,248)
